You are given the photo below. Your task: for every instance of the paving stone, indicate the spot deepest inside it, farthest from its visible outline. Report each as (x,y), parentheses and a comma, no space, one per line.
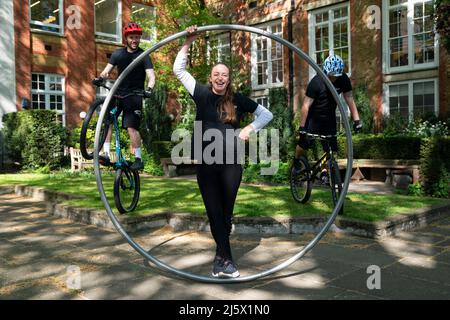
(35,291)
(393,286)
(427,270)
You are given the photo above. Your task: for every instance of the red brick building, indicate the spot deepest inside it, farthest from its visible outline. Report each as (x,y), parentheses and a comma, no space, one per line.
(60,45)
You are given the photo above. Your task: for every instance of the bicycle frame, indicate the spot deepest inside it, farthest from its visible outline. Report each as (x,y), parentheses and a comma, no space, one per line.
(121,162)
(317,167)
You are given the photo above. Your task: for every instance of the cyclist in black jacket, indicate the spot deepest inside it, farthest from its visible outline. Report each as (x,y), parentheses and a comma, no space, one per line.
(318,112)
(131,106)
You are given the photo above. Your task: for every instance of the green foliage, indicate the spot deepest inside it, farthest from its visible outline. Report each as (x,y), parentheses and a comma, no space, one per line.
(415,189)
(157,122)
(435,166)
(427,129)
(151,166)
(394,124)
(187,117)
(442,18)
(252,174)
(282,120)
(365,110)
(381,147)
(35,139)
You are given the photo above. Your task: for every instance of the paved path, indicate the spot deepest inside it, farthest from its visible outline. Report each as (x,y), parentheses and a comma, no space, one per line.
(36,251)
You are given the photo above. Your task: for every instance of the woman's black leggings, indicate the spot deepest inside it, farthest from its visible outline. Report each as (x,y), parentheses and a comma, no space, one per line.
(219,184)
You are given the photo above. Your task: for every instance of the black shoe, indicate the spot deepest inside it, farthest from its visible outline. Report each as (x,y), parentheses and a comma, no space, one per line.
(104,160)
(229,270)
(137,165)
(217,266)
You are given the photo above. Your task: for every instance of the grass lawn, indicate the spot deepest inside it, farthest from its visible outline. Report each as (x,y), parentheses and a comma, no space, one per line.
(183,196)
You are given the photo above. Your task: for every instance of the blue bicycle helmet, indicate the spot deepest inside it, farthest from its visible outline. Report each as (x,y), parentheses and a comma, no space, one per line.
(333,66)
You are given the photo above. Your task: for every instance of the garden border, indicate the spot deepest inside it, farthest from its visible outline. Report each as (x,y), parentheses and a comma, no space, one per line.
(242,225)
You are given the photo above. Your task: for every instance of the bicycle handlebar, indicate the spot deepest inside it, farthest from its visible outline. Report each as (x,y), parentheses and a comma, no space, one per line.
(100,82)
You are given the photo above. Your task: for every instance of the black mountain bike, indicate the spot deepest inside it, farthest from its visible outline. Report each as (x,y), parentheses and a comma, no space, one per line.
(302,179)
(126,181)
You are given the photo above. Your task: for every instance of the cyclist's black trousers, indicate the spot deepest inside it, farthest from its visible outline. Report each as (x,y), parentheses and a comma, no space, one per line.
(219,184)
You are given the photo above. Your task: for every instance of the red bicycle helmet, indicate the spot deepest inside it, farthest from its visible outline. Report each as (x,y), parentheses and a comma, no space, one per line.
(132,28)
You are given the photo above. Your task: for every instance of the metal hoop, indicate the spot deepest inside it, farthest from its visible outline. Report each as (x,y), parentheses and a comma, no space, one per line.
(161,265)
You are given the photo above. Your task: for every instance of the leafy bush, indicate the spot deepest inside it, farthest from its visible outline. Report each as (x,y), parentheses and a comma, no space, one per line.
(427,129)
(365,111)
(394,124)
(435,166)
(35,139)
(382,147)
(151,166)
(282,120)
(252,174)
(157,122)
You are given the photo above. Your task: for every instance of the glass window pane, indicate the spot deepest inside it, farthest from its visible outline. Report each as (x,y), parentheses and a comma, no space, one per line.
(45,13)
(145,16)
(399,52)
(107,17)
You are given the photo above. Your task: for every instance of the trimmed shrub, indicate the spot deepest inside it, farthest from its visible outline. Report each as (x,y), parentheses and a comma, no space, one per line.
(435,166)
(35,139)
(382,147)
(282,120)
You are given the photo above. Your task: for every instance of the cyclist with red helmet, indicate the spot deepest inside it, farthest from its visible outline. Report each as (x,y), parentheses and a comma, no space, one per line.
(318,112)
(131,106)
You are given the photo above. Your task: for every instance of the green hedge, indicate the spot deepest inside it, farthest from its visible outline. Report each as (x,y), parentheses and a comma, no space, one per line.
(35,139)
(435,166)
(382,147)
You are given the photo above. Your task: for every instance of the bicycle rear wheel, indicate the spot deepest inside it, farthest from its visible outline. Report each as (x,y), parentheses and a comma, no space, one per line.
(88,130)
(300,181)
(126,189)
(335,182)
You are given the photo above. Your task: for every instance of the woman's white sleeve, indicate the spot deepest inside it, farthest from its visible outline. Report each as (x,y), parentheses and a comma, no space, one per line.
(179,68)
(262,117)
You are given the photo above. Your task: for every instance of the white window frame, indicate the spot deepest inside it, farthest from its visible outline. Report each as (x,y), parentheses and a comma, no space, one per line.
(258,99)
(59,26)
(223,41)
(410,83)
(154,31)
(386,48)
(118,36)
(312,33)
(47,92)
(254,60)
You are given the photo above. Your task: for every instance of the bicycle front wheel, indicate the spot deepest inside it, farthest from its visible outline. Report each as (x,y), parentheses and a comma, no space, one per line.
(87,133)
(335,183)
(126,190)
(300,181)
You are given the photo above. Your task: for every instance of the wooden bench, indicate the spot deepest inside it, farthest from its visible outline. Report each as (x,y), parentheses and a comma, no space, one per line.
(78,162)
(392,167)
(170,167)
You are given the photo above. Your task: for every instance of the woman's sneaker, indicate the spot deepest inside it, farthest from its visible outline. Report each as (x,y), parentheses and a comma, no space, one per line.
(229,270)
(217,266)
